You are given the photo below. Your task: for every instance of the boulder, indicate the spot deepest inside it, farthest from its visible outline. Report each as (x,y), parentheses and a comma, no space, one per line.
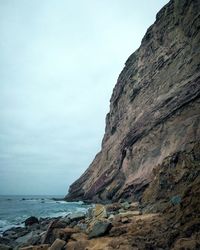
(57,245)
(125,205)
(134,205)
(49,236)
(125,220)
(79,236)
(31,220)
(100,228)
(113,207)
(24,239)
(76,216)
(99,212)
(64,233)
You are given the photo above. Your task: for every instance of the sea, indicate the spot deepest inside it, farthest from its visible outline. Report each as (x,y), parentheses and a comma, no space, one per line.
(15,209)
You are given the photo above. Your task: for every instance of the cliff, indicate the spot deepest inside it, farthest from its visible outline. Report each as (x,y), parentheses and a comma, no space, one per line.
(154,113)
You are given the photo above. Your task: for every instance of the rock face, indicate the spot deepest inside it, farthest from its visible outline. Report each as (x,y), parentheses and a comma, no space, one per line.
(154,109)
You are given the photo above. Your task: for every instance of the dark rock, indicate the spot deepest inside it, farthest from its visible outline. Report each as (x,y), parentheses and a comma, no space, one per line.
(100,228)
(31,220)
(5,247)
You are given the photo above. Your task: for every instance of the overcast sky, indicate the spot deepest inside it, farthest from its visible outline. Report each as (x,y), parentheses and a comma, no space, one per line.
(59,61)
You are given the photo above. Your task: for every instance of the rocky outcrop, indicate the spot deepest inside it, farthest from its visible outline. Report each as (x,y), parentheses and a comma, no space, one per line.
(154,109)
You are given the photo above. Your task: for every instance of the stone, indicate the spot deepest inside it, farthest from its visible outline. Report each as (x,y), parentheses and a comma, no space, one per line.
(111,217)
(130,213)
(49,236)
(100,228)
(65,233)
(79,236)
(76,216)
(25,238)
(113,207)
(57,245)
(125,205)
(82,226)
(124,220)
(31,220)
(99,212)
(134,205)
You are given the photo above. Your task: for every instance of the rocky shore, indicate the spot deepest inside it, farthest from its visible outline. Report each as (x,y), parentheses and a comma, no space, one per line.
(124,226)
(149,164)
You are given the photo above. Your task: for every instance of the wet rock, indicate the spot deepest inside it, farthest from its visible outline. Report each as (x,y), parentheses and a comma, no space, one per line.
(100,228)
(57,245)
(16,232)
(5,247)
(31,220)
(4,241)
(25,238)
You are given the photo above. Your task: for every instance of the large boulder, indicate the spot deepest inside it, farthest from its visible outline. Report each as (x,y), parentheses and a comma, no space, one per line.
(100,228)
(57,245)
(31,220)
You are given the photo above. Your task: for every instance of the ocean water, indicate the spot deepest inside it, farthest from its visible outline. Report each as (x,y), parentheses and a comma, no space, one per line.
(15,209)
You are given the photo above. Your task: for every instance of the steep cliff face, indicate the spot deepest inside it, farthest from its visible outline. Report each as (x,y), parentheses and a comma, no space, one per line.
(154,109)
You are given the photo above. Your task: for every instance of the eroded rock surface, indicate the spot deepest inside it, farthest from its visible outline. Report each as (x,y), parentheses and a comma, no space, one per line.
(154,109)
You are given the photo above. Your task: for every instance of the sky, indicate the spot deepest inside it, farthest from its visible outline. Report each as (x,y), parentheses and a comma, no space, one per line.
(59,61)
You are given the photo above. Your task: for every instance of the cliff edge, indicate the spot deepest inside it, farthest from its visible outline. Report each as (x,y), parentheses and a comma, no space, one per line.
(154,117)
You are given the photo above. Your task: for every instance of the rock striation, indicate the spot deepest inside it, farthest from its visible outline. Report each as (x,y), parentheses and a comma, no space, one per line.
(154,111)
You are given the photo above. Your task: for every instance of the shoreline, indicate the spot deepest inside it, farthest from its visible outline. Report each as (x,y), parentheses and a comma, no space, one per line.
(124,226)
